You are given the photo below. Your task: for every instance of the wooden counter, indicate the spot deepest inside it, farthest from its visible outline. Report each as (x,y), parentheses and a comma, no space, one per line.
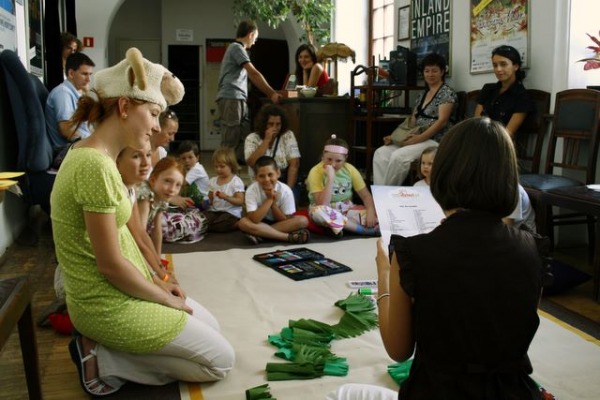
(313,121)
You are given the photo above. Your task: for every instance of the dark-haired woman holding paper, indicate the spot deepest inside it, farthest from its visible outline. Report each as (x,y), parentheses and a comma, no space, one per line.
(505,101)
(462,299)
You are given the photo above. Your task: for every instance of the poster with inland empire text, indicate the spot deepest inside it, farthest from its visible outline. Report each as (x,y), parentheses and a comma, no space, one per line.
(431,28)
(495,23)
(8,25)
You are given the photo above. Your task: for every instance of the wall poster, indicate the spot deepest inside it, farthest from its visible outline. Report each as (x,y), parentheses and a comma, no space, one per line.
(8,25)
(495,23)
(36,49)
(431,28)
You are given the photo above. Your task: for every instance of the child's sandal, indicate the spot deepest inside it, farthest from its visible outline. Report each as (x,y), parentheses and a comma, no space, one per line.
(254,239)
(300,236)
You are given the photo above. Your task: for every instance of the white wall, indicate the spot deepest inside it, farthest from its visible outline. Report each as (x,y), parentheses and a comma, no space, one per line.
(94,19)
(126,26)
(351,22)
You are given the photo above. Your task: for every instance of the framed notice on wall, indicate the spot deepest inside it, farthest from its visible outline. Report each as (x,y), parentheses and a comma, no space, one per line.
(404,23)
(431,28)
(495,23)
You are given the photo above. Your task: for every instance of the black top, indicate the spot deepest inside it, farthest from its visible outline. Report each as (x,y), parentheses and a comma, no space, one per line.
(476,283)
(501,107)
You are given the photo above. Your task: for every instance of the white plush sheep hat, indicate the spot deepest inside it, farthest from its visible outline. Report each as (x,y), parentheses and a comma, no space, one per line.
(139,79)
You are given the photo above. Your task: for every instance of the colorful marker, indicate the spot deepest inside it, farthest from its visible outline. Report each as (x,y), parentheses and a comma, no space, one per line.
(368,291)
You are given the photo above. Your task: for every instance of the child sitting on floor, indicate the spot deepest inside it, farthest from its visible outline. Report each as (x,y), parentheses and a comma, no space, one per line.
(270,207)
(225,193)
(196,178)
(165,223)
(134,166)
(425,164)
(330,188)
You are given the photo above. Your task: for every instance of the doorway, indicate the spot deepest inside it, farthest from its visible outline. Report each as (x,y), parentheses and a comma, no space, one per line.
(184,62)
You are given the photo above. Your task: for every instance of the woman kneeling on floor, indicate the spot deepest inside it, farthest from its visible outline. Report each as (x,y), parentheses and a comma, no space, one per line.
(132,325)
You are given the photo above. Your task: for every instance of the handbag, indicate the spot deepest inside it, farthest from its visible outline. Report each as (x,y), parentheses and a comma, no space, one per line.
(403,130)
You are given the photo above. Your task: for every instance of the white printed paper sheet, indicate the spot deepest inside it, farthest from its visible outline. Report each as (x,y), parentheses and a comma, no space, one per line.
(405,210)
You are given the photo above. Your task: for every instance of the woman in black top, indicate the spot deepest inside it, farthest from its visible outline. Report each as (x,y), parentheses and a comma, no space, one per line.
(505,101)
(463,298)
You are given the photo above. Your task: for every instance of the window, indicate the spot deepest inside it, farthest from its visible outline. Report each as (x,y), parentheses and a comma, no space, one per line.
(382,14)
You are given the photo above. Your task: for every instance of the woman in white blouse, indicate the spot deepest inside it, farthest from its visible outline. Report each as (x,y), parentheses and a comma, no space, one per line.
(272,138)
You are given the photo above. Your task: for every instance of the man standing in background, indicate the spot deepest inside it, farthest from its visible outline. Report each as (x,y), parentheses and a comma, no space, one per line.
(236,69)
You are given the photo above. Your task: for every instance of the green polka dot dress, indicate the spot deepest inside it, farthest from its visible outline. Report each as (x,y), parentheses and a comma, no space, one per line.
(89,181)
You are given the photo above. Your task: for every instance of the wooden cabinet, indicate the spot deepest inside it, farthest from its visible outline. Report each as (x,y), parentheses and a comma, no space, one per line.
(377,109)
(313,121)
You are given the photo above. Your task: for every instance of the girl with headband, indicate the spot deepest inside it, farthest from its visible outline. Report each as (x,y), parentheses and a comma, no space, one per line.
(331,185)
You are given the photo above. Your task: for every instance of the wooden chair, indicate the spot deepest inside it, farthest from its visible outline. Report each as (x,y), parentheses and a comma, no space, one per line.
(530,137)
(575,124)
(471,103)
(461,107)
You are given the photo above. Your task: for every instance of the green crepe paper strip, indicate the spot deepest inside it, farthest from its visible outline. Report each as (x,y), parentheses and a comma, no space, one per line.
(400,371)
(337,368)
(289,352)
(358,318)
(309,364)
(306,342)
(306,337)
(259,392)
(277,340)
(311,354)
(355,303)
(291,371)
(312,326)
(352,324)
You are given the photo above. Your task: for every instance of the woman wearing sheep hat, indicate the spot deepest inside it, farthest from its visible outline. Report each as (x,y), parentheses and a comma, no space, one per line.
(131,325)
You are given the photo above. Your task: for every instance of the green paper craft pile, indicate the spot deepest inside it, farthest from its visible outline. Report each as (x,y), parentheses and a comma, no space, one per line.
(306,342)
(399,371)
(259,392)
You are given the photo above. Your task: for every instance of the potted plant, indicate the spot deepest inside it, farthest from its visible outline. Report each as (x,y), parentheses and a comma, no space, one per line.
(314,16)
(592,62)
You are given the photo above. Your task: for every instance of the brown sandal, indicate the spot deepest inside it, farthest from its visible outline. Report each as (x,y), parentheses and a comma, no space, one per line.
(300,236)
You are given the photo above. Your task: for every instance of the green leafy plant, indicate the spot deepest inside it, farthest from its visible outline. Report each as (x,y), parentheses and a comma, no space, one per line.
(314,16)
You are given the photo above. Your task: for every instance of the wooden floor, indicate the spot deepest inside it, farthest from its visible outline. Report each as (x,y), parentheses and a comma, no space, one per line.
(59,375)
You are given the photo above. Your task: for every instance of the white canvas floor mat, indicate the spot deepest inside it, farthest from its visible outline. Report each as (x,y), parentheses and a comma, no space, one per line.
(250,301)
